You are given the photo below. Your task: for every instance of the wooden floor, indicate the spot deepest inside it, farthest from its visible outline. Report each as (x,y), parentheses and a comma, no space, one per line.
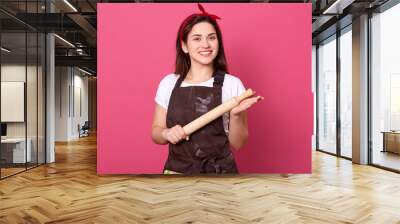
(70,191)
(387,159)
(5,172)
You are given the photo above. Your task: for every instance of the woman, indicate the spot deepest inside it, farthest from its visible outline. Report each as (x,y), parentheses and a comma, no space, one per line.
(199,84)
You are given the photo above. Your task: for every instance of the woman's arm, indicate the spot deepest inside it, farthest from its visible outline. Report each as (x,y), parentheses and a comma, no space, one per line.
(159,125)
(159,131)
(238,130)
(238,126)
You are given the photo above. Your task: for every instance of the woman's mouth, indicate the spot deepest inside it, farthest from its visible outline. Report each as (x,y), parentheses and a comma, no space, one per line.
(205,53)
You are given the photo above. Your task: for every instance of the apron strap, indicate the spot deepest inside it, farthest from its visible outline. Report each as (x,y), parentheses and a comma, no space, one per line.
(178,82)
(219,79)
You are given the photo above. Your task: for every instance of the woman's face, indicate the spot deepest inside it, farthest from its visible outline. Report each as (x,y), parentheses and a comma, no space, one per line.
(202,43)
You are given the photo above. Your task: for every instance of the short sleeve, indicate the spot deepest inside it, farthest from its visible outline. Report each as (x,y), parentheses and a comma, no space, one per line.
(164,90)
(238,87)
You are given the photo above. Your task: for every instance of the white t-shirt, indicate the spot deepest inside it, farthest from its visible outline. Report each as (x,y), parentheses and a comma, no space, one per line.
(232,87)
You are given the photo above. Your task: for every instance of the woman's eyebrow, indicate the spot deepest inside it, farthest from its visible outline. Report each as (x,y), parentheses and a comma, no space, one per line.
(199,35)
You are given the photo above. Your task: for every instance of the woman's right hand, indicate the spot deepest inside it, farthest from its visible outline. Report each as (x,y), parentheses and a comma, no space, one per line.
(174,134)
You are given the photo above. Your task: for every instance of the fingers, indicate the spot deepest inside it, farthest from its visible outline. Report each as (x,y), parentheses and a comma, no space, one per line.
(174,137)
(176,134)
(247,103)
(254,100)
(180,131)
(257,98)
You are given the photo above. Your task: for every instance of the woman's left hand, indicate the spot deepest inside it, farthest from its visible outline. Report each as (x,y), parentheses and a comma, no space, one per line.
(244,105)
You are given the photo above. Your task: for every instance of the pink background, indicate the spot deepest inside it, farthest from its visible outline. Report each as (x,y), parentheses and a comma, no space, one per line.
(268,46)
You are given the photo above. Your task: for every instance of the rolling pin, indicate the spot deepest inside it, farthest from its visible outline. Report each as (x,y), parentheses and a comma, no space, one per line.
(216,112)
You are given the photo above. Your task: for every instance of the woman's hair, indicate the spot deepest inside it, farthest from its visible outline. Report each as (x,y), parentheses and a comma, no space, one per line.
(182,62)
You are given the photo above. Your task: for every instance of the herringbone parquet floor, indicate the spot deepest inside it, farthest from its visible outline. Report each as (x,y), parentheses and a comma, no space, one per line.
(70,191)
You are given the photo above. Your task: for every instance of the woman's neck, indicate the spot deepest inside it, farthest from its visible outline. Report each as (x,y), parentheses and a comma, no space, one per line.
(199,73)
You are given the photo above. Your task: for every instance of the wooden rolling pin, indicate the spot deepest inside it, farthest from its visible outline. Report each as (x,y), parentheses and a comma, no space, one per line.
(215,113)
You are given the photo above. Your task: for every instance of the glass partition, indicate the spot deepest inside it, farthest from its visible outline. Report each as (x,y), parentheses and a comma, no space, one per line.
(22,63)
(14,153)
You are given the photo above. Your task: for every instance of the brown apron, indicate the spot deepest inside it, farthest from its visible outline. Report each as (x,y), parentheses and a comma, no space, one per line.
(208,149)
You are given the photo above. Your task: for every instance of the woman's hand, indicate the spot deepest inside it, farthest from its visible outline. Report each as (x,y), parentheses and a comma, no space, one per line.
(174,134)
(244,105)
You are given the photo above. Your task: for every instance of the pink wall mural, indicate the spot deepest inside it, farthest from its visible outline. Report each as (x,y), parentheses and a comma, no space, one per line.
(268,46)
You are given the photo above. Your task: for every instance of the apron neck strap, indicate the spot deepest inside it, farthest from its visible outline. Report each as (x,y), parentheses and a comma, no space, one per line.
(178,82)
(219,78)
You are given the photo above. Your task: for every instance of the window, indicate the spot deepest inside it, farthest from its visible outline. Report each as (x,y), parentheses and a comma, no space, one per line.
(327,95)
(385,88)
(346,93)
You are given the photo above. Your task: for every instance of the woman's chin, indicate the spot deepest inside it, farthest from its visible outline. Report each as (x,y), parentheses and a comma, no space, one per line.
(205,62)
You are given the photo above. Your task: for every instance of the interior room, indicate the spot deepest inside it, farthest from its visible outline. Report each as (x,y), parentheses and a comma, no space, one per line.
(50,126)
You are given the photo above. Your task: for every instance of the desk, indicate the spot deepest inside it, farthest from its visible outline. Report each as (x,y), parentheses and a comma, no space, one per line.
(13,150)
(391,141)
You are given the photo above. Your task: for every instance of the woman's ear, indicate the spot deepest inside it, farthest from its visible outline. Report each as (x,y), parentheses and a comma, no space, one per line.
(184,48)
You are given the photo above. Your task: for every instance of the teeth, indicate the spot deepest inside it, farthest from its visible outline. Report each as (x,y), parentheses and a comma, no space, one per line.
(205,53)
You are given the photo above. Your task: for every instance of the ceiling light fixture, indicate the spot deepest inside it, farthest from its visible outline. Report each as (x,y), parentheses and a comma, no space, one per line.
(337,7)
(84,71)
(70,5)
(64,40)
(5,49)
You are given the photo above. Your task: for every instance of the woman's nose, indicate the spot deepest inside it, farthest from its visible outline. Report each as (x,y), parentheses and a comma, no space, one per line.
(205,43)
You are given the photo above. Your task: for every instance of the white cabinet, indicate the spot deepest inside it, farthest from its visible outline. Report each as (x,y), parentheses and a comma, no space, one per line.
(18,149)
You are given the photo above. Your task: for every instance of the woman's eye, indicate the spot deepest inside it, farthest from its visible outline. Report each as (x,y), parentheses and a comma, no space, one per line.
(196,39)
(213,38)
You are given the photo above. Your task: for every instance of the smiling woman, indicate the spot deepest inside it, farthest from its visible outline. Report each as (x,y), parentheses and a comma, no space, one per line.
(200,83)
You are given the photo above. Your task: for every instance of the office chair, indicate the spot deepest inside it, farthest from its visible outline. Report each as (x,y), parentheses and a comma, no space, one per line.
(84,130)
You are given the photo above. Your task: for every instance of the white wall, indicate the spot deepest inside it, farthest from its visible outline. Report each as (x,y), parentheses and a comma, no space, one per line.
(80,83)
(62,78)
(71,93)
(12,73)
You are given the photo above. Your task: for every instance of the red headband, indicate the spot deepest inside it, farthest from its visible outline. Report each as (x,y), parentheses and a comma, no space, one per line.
(203,13)
(214,17)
